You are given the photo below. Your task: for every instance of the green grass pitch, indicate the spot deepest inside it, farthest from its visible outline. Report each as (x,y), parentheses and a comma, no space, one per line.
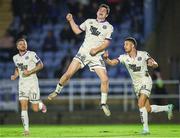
(91,131)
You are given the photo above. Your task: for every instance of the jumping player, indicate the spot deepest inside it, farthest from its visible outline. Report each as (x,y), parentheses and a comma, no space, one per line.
(97,38)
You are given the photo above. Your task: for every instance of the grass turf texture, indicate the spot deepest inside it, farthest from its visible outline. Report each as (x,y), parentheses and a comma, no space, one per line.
(91,131)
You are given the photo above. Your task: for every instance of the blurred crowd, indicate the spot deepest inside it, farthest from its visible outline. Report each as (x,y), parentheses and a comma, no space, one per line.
(43,24)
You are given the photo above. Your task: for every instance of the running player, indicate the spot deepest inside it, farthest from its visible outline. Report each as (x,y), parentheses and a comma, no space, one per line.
(97,38)
(27,65)
(136,63)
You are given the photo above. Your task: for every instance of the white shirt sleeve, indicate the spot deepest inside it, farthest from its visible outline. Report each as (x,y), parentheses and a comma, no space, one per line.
(82,27)
(35,58)
(146,55)
(121,59)
(14,60)
(109,34)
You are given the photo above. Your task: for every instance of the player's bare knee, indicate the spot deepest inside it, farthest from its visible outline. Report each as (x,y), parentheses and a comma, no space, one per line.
(148,110)
(35,109)
(140,104)
(105,81)
(24,108)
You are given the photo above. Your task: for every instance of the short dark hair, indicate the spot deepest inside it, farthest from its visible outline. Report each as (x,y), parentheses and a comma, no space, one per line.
(133,40)
(105,6)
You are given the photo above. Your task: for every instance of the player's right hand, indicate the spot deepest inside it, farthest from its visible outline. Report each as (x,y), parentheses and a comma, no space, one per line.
(105,55)
(152,63)
(69,17)
(13,77)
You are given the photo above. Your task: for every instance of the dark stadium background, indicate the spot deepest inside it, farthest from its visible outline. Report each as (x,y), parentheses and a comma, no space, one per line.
(154,23)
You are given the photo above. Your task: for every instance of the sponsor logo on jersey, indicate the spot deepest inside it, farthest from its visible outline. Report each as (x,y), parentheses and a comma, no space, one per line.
(21,66)
(94,31)
(134,67)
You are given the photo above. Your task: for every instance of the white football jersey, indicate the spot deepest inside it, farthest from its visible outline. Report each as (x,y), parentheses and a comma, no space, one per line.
(27,61)
(137,67)
(95,33)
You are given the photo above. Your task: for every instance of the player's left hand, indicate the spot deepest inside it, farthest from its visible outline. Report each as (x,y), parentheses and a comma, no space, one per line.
(93,52)
(69,17)
(150,63)
(26,73)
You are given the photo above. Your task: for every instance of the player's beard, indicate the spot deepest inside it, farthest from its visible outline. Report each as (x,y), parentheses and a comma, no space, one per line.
(128,50)
(22,51)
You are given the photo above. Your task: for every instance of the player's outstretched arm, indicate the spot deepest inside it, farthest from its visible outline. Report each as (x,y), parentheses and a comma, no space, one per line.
(110,62)
(73,25)
(38,67)
(15,75)
(152,63)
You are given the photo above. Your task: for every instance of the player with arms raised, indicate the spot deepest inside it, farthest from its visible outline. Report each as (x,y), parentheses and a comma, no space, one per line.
(97,38)
(27,65)
(136,63)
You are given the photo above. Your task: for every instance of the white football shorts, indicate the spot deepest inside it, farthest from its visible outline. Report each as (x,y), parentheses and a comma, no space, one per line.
(29,90)
(144,87)
(92,62)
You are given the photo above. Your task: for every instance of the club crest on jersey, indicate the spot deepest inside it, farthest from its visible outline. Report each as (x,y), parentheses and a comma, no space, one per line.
(139,58)
(26,58)
(127,60)
(104,27)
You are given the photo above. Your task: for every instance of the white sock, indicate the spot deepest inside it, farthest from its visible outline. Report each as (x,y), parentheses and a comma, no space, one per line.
(58,88)
(25,119)
(103,97)
(158,108)
(40,105)
(144,118)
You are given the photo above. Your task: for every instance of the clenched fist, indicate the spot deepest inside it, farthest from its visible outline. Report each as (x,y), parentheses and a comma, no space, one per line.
(26,73)
(69,17)
(13,77)
(93,52)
